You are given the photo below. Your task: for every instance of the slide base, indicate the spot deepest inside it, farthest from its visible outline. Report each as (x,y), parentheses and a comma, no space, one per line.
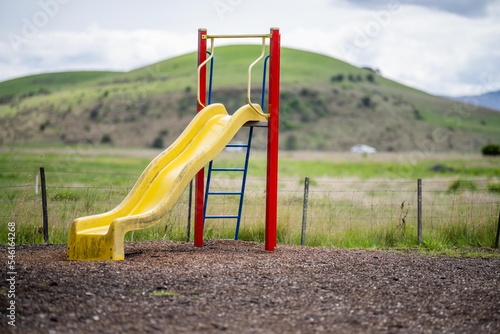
(95,247)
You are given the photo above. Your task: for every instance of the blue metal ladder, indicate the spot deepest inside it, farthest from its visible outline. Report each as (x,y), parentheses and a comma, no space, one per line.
(240,193)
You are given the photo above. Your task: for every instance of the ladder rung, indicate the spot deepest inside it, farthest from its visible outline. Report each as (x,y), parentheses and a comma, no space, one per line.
(256,124)
(221,217)
(224,192)
(237,145)
(222,169)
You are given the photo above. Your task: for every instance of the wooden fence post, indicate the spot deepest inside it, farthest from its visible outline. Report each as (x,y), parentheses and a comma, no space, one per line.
(190,203)
(44,206)
(419,210)
(304,211)
(498,231)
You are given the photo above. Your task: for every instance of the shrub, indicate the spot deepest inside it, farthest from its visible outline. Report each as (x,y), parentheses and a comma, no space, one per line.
(337,78)
(68,195)
(366,102)
(8,98)
(296,105)
(292,143)
(158,142)
(305,92)
(491,150)
(418,116)
(288,125)
(94,113)
(494,187)
(459,186)
(43,126)
(106,139)
(43,91)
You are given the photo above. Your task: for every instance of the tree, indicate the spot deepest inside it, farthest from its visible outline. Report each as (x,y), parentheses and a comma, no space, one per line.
(366,101)
(292,143)
(158,142)
(491,150)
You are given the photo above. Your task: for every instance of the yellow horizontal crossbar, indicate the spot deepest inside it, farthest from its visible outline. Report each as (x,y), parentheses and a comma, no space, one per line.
(237,36)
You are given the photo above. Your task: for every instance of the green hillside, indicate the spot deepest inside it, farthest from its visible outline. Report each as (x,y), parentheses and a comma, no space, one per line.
(47,82)
(326,104)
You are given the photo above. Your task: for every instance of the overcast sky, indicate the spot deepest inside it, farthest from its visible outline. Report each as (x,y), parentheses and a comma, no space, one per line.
(444,47)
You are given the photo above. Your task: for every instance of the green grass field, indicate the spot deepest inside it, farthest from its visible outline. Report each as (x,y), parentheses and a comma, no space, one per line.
(355,201)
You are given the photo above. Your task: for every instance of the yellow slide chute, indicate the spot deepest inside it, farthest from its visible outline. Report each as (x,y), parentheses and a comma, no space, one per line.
(101,237)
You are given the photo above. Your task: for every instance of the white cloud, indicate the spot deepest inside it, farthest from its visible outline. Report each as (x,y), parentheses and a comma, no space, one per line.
(425,49)
(94,49)
(442,51)
(468,8)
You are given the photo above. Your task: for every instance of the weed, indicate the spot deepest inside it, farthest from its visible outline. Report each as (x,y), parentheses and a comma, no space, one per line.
(460,186)
(163,293)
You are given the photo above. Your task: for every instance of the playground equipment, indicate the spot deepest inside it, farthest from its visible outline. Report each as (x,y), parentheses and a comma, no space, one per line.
(272,129)
(101,237)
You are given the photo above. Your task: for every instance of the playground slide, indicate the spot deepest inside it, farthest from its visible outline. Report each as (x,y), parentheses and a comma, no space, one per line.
(101,237)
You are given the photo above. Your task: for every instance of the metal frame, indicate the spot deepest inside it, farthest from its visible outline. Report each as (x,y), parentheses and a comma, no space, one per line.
(273,130)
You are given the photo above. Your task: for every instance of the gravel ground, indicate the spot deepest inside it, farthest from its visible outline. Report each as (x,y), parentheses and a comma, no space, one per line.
(237,287)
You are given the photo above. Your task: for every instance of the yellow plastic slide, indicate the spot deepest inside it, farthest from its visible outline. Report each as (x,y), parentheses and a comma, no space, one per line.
(101,237)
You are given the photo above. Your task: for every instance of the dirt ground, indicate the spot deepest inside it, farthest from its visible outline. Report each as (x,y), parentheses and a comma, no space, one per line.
(238,287)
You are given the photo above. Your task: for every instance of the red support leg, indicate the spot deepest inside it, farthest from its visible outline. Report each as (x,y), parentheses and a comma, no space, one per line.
(272,142)
(200,177)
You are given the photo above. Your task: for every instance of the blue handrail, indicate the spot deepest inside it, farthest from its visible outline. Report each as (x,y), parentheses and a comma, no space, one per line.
(263,90)
(210,79)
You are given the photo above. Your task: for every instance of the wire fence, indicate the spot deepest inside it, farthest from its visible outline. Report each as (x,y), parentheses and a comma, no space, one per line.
(334,212)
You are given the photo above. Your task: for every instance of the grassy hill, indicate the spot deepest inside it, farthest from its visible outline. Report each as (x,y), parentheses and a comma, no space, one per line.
(326,104)
(43,84)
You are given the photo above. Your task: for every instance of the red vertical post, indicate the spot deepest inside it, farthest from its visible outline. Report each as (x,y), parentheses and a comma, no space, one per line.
(200,177)
(272,141)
